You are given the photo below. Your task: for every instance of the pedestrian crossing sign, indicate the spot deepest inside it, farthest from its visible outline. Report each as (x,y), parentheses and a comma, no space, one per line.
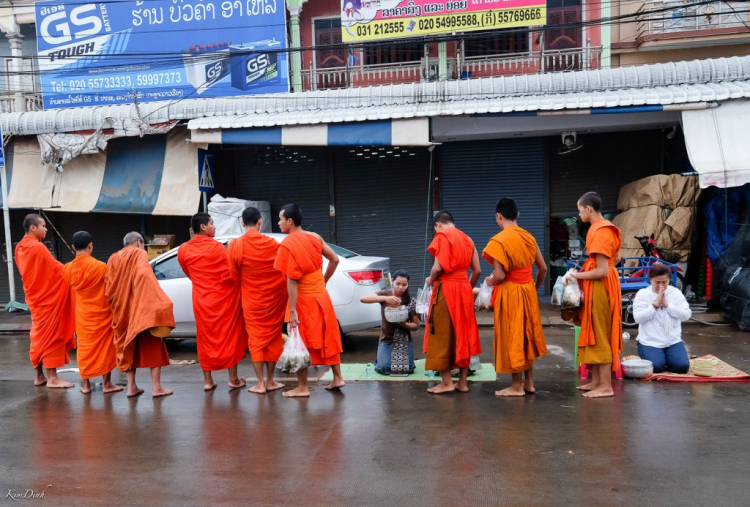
(205,171)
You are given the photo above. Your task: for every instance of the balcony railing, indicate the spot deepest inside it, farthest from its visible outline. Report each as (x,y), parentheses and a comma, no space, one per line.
(687,16)
(30,102)
(531,62)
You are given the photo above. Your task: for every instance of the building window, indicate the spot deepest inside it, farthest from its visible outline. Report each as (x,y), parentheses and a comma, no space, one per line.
(495,43)
(375,54)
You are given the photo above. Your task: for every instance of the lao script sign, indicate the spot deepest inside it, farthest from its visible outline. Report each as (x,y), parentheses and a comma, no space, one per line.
(119,51)
(363,20)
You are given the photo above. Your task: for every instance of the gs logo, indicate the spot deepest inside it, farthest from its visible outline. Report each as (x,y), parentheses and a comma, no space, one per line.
(258,64)
(56,28)
(214,71)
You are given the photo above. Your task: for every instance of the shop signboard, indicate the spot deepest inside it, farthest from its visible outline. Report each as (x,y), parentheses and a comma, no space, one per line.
(367,20)
(125,51)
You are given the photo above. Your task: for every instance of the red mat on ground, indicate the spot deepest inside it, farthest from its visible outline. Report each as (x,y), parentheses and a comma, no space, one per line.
(723,372)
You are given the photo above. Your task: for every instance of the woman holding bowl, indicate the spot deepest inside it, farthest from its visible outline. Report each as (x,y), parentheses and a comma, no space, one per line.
(399,318)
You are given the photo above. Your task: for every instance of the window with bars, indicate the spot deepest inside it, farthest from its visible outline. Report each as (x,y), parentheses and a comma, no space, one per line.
(495,43)
(373,54)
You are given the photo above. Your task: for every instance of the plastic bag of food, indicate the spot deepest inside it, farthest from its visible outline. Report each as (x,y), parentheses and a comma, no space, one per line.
(424,297)
(295,356)
(484,298)
(557,292)
(571,292)
(475,364)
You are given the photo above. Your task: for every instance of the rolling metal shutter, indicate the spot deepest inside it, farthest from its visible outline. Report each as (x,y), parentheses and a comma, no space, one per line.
(106,229)
(283,175)
(604,164)
(381,205)
(475,175)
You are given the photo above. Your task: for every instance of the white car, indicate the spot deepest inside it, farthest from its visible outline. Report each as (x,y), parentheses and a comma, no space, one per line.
(355,276)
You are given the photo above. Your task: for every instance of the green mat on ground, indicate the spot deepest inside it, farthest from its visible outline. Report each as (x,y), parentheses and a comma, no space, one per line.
(356,372)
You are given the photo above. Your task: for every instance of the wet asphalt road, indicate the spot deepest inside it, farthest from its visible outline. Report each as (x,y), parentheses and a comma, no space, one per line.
(381,443)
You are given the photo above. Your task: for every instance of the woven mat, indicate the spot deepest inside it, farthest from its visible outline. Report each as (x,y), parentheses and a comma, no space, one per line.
(356,372)
(723,372)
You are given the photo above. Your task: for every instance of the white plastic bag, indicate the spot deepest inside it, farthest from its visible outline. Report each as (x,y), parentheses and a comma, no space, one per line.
(295,356)
(424,297)
(475,363)
(557,292)
(484,298)
(571,293)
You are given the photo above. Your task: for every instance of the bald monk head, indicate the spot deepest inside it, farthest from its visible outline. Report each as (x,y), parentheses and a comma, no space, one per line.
(589,206)
(133,239)
(443,220)
(290,218)
(506,212)
(82,243)
(34,225)
(203,225)
(251,219)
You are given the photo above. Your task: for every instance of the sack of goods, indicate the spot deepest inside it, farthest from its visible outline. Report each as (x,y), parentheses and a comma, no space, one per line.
(484,298)
(571,297)
(295,356)
(557,292)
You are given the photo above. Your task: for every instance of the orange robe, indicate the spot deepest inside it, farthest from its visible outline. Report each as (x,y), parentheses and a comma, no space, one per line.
(603,238)
(264,294)
(300,258)
(519,338)
(138,304)
(217,303)
(96,342)
(50,301)
(453,250)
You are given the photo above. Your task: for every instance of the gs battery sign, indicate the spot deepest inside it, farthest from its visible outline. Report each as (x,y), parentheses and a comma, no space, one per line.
(119,51)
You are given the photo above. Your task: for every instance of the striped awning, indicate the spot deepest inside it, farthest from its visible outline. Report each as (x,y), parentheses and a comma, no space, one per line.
(155,174)
(411,132)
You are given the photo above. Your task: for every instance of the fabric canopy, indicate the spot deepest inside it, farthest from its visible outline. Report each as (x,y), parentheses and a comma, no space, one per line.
(717,144)
(156,174)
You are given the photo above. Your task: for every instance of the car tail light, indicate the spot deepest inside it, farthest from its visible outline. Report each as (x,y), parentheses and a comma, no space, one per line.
(365,277)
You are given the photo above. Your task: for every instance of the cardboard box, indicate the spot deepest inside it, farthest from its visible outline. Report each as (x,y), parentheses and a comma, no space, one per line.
(155,251)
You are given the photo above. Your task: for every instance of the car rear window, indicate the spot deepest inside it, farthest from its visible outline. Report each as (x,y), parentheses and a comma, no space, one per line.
(342,252)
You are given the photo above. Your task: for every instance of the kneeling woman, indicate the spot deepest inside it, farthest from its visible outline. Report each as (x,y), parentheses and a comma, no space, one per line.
(396,349)
(659,311)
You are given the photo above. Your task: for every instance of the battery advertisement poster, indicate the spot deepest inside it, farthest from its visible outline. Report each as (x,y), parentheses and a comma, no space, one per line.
(367,20)
(123,51)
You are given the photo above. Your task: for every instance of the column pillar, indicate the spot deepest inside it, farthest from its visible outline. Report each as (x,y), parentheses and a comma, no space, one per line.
(442,61)
(15,40)
(295,43)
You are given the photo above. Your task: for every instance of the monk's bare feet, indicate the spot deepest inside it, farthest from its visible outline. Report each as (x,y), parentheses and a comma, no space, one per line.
(257,389)
(40,381)
(134,392)
(59,384)
(160,392)
(209,387)
(510,391)
(587,387)
(599,393)
(236,384)
(336,384)
(297,392)
(275,386)
(86,389)
(528,388)
(462,387)
(112,388)
(442,388)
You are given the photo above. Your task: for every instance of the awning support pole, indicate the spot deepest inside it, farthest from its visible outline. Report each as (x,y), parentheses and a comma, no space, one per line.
(8,240)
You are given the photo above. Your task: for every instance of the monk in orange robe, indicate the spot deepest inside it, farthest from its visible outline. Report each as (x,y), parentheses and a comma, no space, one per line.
(300,258)
(264,297)
(600,338)
(96,342)
(217,303)
(50,301)
(519,338)
(141,314)
(451,334)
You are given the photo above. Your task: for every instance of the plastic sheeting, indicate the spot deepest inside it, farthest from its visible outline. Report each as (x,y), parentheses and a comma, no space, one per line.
(734,275)
(227,215)
(716,141)
(722,211)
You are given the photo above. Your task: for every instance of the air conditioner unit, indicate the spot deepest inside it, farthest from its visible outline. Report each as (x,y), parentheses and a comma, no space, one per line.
(430,69)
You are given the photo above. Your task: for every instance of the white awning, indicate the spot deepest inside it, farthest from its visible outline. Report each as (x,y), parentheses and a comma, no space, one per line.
(656,84)
(717,143)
